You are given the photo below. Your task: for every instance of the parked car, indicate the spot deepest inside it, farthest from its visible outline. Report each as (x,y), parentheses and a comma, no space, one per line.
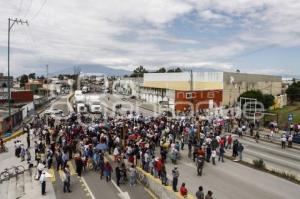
(54,111)
(296,138)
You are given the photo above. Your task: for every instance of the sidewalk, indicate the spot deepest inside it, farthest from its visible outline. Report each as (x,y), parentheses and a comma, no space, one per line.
(32,188)
(276,139)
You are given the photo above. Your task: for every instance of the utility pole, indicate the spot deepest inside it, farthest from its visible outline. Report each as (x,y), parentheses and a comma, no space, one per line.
(47,68)
(191,91)
(11,23)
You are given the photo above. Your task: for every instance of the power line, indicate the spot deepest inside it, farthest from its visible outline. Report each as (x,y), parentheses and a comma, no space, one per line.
(38,12)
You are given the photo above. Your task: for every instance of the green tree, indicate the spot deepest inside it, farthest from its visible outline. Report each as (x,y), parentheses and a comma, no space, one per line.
(293,92)
(175,70)
(60,77)
(41,77)
(139,72)
(161,70)
(31,76)
(266,99)
(23,80)
(178,70)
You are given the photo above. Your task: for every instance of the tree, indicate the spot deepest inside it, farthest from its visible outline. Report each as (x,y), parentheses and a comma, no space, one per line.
(41,77)
(293,92)
(60,77)
(266,99)
(139,72)
(175,70)
(23,80)
(178,70)
(161,70)
(31,76)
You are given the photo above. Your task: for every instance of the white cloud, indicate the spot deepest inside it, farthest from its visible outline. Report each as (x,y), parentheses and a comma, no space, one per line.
(122,33)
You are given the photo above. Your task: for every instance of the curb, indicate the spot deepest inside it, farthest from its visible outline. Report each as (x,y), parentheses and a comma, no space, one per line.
(157,181)
(267,169)
(275,142)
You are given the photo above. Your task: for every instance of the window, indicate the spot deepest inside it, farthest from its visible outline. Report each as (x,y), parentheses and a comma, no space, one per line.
(190,95)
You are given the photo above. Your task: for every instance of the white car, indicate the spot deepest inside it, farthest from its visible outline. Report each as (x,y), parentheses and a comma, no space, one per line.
(53,111)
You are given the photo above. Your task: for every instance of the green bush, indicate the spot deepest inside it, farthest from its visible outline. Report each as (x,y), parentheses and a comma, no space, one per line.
(285,175)
(259,164)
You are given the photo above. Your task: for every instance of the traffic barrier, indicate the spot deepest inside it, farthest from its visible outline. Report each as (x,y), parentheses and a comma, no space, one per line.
(154,184)
(161,191)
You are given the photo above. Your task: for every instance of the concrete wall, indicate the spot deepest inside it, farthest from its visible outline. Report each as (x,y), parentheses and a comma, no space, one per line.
(182,81)
(27,110)
(234,84)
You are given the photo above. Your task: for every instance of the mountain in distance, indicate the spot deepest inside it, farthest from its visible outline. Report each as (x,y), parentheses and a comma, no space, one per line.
(94,68)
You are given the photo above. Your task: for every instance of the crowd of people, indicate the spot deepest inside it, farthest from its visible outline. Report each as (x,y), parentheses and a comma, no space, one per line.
(133,140)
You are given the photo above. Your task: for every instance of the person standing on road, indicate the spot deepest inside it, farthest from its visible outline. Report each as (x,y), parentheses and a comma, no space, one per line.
(107,171)
(213,156)
(240,150)
(28,140)
(235,148)
(283,141)
(290,141)
(66,179)
(132,175)
(257,136)
(221,153)
(229,142)
(199,193)
(209,195)
(118,175)
(43,182)
(175,174)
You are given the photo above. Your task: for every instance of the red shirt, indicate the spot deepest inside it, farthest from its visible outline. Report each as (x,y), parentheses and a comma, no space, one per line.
(183,191)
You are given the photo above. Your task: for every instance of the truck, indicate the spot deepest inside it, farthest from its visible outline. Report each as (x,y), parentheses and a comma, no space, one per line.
(81,108)
(85,89)
(94,106)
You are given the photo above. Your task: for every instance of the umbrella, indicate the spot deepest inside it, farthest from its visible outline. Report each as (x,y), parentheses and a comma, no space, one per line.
(101,146)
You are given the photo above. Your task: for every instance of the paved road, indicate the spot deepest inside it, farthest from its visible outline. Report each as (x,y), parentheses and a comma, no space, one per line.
(90,185)
(272,154)
(232,180)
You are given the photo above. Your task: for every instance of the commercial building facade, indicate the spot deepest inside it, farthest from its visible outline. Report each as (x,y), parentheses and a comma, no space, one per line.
(202,90)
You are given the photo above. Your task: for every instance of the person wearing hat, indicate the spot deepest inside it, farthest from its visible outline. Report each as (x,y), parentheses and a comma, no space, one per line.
(175,174)
(43,182)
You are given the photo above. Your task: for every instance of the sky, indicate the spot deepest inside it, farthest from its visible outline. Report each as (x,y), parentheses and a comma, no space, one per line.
(255,36)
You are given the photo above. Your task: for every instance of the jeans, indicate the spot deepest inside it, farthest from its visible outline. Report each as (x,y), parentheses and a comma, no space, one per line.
(175,181)
(241,155)
(221,157)
(67,186)
(132,180)
(44,188)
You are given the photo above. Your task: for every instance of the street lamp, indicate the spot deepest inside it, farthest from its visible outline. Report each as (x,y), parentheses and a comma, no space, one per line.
(11,23)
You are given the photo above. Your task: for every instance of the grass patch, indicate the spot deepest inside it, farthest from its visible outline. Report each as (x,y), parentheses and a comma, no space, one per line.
(283,114)
(259,164)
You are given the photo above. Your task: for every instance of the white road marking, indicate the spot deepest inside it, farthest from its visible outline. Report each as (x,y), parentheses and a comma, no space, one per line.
(122,194)
(88,188)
